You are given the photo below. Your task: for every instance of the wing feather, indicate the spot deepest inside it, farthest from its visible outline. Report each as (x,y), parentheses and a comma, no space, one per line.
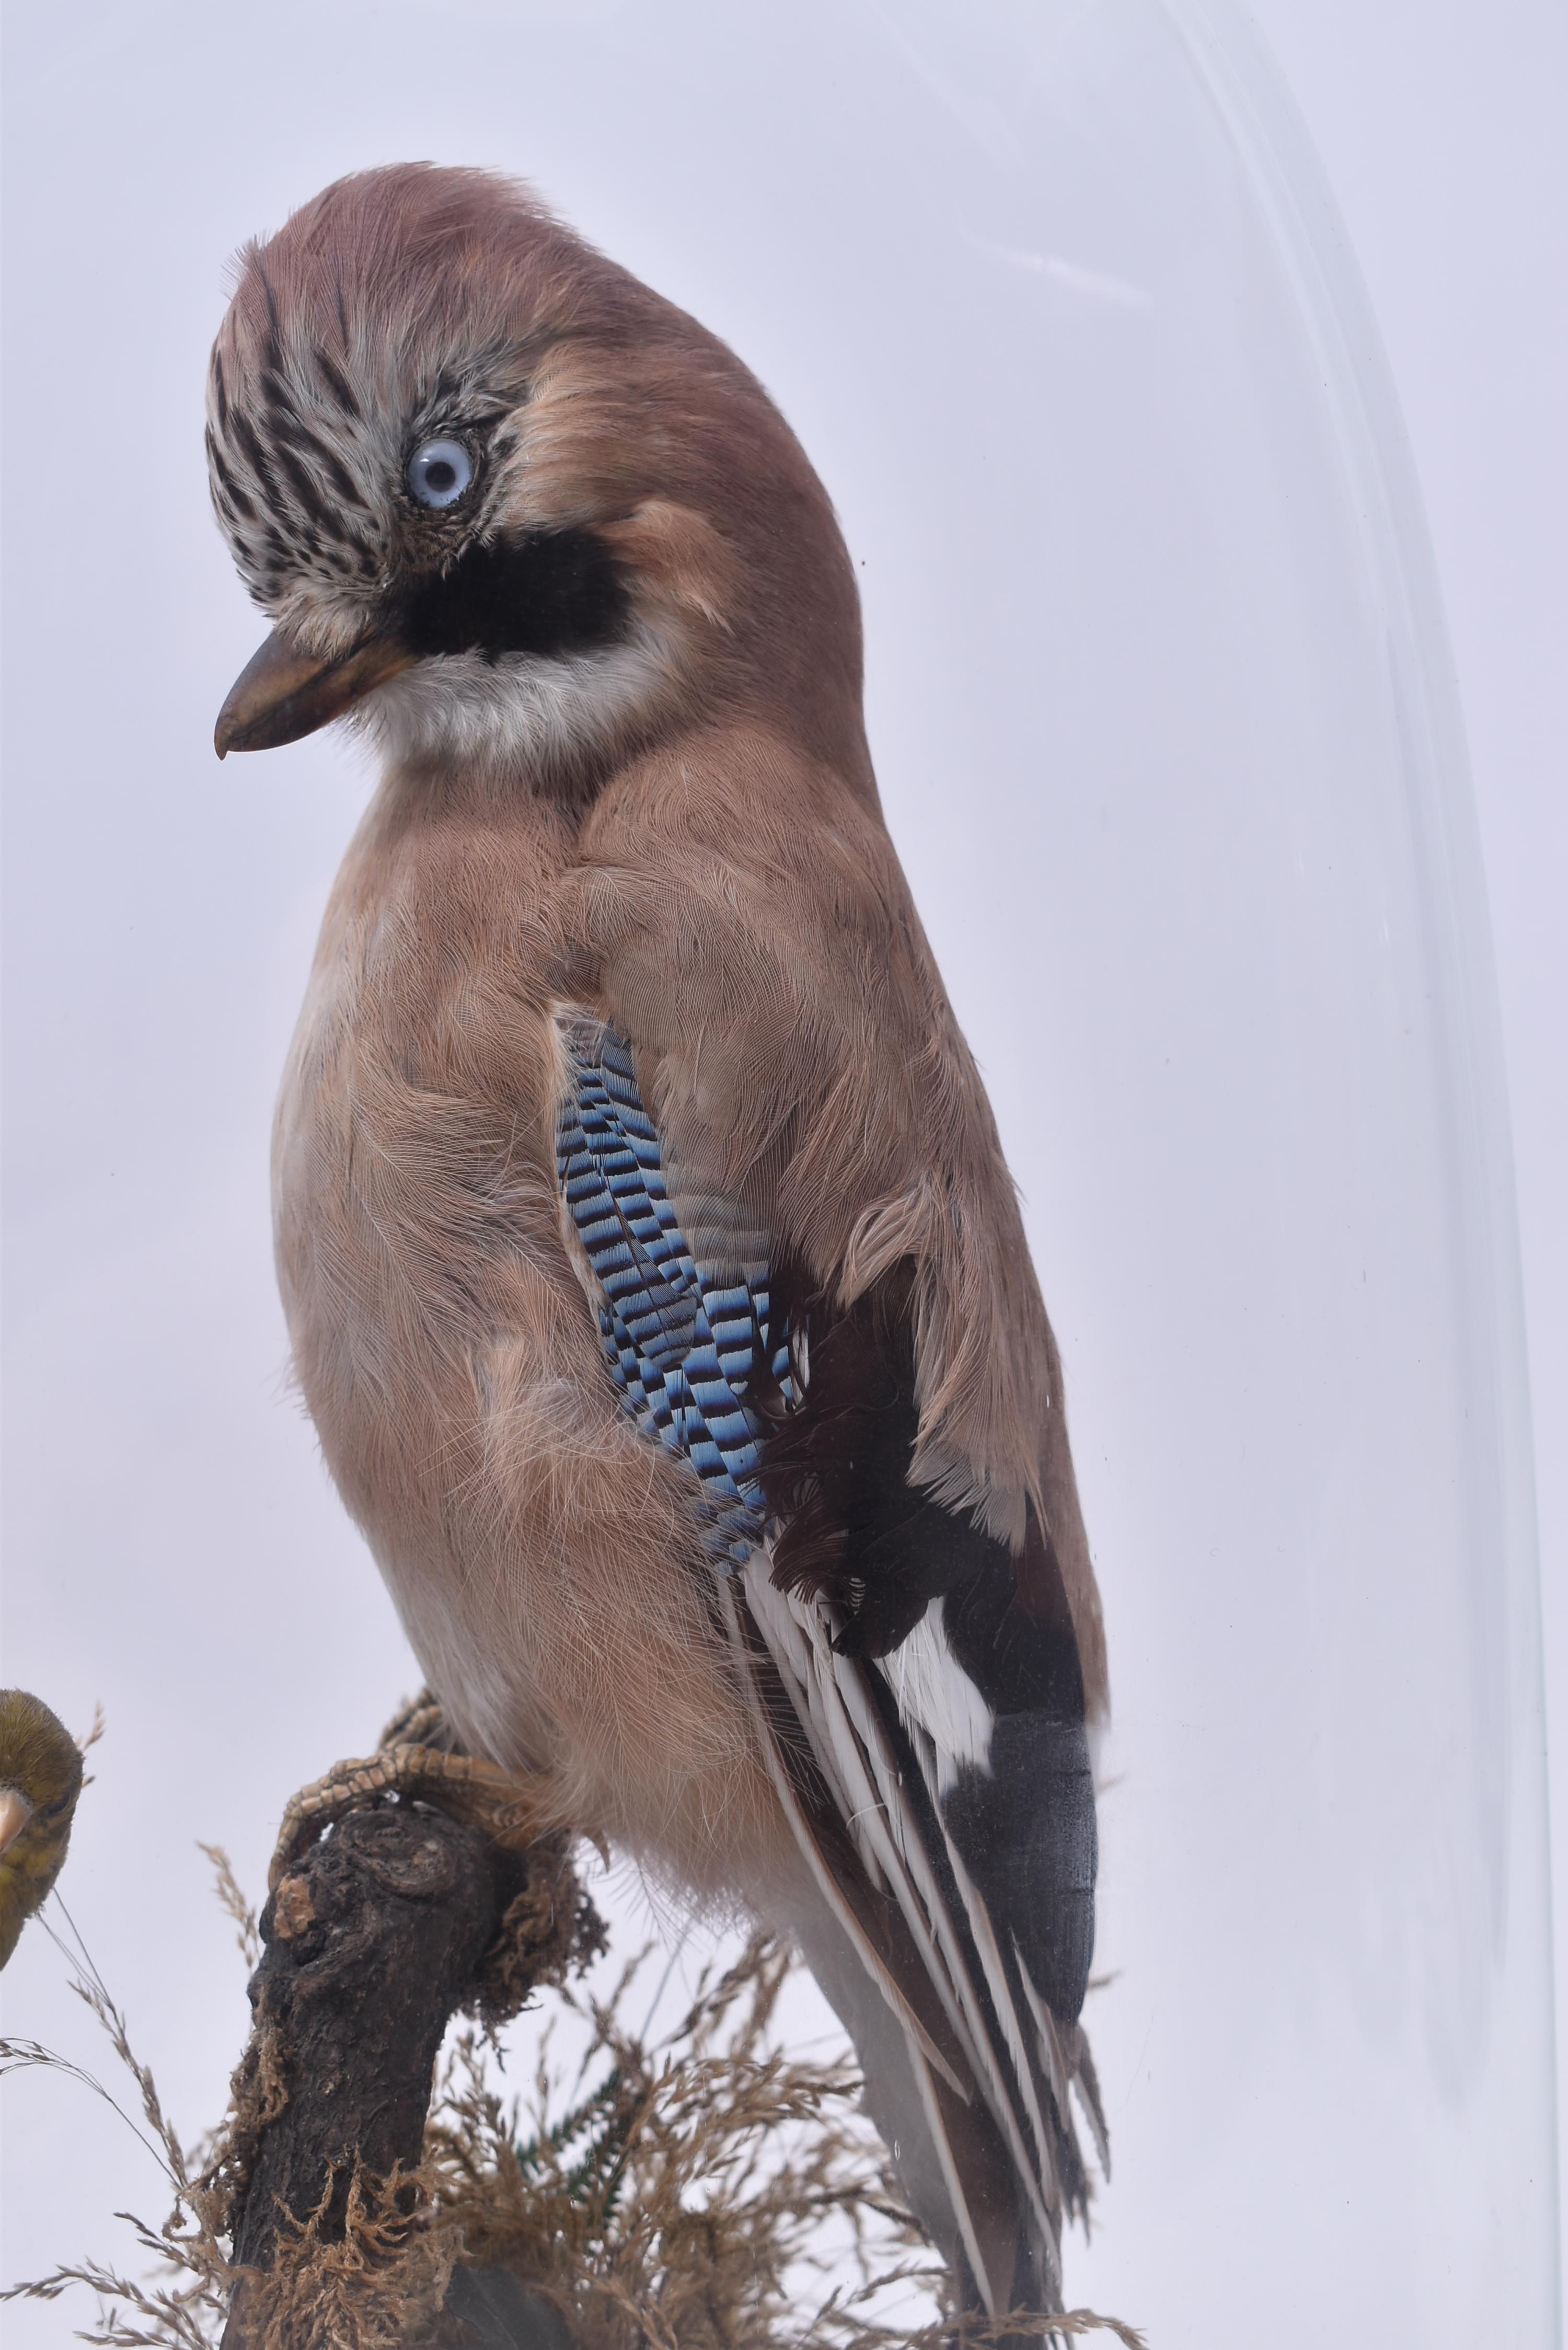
(916,1690)
(838,1891)
(871,1778)
(860,1789)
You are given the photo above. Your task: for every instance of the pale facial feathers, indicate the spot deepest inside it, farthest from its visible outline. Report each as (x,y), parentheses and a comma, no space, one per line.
(524,714)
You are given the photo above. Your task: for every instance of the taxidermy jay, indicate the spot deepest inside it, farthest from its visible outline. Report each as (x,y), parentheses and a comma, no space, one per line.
(653,1271)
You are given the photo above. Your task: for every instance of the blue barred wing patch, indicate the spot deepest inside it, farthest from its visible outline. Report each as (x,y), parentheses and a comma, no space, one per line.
(684,1346)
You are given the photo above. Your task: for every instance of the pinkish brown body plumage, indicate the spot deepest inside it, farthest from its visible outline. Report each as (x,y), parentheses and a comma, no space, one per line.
(551,543)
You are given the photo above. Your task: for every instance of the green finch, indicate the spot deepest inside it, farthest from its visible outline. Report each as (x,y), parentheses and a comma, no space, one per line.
(40,1779)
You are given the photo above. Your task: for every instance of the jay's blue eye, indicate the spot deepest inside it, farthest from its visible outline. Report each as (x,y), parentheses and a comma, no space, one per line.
(440,472)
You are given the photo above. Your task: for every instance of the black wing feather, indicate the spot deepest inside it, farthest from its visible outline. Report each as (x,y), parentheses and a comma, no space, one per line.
(919,1685)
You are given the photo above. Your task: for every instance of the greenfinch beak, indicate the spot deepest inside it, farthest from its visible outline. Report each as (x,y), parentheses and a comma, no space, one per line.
(16,1811)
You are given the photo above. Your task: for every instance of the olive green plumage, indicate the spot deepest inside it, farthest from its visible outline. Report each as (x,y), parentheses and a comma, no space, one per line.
(40,1779)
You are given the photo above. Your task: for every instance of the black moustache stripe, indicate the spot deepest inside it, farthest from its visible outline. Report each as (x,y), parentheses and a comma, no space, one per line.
(556,592)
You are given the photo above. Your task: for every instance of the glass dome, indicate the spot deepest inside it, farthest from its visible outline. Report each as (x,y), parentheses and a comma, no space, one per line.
(1219,841)
(1247,1067)
(1162,712)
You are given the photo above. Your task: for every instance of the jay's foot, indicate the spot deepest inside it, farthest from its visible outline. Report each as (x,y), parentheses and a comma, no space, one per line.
(415,1762)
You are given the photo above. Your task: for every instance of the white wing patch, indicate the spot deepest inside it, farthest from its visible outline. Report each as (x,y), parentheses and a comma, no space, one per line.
(932,1691)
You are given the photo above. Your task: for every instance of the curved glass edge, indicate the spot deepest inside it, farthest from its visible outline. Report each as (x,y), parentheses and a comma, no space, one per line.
(1260,116)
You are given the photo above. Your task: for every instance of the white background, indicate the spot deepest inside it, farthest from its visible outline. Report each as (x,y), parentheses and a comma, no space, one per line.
(160,910)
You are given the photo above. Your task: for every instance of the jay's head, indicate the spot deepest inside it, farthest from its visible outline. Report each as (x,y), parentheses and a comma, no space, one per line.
(505,504)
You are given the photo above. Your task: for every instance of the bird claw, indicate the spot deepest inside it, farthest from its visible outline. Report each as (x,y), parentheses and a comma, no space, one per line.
(415,1763)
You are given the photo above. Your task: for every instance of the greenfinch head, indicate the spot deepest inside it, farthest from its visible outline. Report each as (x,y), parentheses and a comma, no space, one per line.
(40,1779)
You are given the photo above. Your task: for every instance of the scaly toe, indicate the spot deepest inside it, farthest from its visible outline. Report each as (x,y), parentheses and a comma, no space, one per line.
(512,1811)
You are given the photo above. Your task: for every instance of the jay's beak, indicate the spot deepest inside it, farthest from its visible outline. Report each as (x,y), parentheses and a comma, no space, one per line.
(282,694)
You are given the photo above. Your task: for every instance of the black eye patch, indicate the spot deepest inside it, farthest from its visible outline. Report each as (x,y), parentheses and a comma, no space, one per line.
(554,592)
